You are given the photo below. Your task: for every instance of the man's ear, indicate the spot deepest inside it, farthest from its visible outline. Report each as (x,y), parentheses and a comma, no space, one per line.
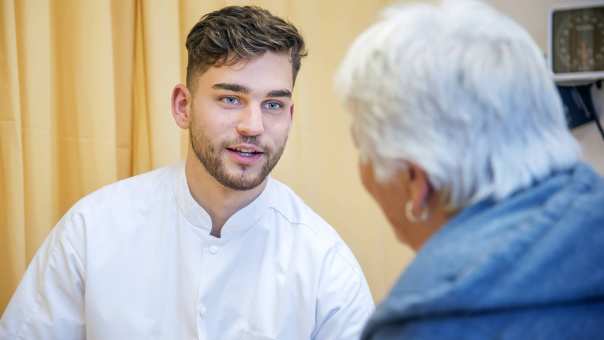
(181,106)
(420,190)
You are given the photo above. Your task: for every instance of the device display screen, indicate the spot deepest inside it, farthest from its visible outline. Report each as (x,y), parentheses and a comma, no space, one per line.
(578,40)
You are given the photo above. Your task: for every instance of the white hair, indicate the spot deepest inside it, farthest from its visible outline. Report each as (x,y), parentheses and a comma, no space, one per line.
(463,92)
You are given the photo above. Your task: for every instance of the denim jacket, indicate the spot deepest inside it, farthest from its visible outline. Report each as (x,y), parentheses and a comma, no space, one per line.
(528,267)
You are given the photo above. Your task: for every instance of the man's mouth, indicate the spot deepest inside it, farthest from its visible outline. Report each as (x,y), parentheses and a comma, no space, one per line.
(246,151)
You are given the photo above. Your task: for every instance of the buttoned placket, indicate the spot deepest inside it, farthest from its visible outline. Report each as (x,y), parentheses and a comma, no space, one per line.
(211,248)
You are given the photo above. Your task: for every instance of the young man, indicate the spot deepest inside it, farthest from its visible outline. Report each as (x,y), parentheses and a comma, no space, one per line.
(214,249)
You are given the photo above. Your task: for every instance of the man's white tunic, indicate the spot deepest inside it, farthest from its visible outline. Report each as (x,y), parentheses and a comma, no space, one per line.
(135,260)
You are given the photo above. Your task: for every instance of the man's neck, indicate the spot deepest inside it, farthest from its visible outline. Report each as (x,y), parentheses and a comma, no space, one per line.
(219,201)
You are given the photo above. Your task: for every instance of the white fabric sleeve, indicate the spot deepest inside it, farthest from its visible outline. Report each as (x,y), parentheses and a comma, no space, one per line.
(344,300)
(48,303)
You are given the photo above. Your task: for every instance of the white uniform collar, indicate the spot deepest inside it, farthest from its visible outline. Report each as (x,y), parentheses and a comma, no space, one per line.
(237,224)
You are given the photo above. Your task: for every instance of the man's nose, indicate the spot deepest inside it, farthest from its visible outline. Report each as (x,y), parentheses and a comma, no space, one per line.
(250,121)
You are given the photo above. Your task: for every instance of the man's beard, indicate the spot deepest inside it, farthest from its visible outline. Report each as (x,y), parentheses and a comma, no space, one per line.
(211,159)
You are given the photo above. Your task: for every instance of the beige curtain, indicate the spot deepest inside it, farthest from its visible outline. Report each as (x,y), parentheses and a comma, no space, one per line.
(84,101)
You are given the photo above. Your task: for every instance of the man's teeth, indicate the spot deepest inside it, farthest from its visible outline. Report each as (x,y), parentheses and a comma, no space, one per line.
(245,152)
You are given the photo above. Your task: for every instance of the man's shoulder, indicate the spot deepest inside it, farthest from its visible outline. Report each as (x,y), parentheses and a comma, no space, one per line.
(144,187)
(307,225)
(297,212)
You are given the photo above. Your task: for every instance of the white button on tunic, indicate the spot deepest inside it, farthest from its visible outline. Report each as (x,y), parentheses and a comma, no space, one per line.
(135,260)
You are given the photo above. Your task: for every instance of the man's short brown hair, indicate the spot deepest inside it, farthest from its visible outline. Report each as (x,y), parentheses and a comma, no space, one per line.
(233,33)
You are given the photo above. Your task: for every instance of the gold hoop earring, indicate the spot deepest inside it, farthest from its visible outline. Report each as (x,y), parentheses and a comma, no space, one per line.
(411,217)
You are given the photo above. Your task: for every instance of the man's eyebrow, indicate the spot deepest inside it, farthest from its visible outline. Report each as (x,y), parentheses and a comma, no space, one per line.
(242,89)
(280,93)
(231,87)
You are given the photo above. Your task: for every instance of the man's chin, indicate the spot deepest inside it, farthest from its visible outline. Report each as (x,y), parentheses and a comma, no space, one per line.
(242,185)
(242,181)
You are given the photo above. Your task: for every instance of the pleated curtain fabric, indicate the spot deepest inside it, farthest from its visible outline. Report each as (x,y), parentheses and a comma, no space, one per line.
(85,91)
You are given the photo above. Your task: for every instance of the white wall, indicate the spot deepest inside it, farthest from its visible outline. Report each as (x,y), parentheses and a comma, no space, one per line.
(533,14)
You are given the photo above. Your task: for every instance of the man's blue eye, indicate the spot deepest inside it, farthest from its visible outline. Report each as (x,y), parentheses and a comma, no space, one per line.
(273,105)
(230,100)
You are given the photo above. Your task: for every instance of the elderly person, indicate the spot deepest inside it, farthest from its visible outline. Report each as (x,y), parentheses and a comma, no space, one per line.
(463,144)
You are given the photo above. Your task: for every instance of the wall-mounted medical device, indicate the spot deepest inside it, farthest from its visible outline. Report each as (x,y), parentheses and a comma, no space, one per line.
(576,41)
(576,58)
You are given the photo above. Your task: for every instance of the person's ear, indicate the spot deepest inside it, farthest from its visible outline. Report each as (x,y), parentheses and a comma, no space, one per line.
(181,106)
(420,190)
